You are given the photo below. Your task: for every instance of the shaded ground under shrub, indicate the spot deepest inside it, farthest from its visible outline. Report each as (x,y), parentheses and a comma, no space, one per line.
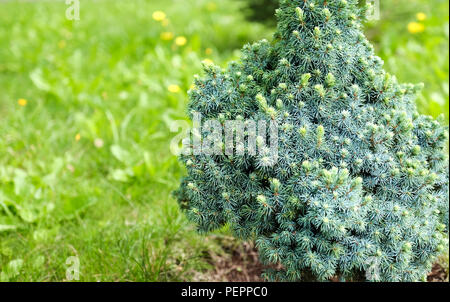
(240,263)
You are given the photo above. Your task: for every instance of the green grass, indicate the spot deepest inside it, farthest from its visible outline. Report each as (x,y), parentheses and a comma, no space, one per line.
(85,166)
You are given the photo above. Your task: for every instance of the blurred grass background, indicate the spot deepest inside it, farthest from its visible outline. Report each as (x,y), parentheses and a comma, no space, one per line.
(85,107)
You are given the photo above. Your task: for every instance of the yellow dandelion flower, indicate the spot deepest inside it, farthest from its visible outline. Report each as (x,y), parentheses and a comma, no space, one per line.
(159,16)
(415,27)
(174,88)
(22,102)
(167,36)
(421,16)
(209,51)
(181,41)
(77,137)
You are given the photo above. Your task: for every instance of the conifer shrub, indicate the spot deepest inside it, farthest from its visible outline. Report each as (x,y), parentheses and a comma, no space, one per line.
(360,187)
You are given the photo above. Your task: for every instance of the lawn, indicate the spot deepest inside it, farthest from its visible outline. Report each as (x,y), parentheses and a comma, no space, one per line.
(85,165)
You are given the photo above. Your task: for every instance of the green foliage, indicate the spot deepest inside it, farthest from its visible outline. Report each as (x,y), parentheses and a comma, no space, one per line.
(360,188)
(414,57)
